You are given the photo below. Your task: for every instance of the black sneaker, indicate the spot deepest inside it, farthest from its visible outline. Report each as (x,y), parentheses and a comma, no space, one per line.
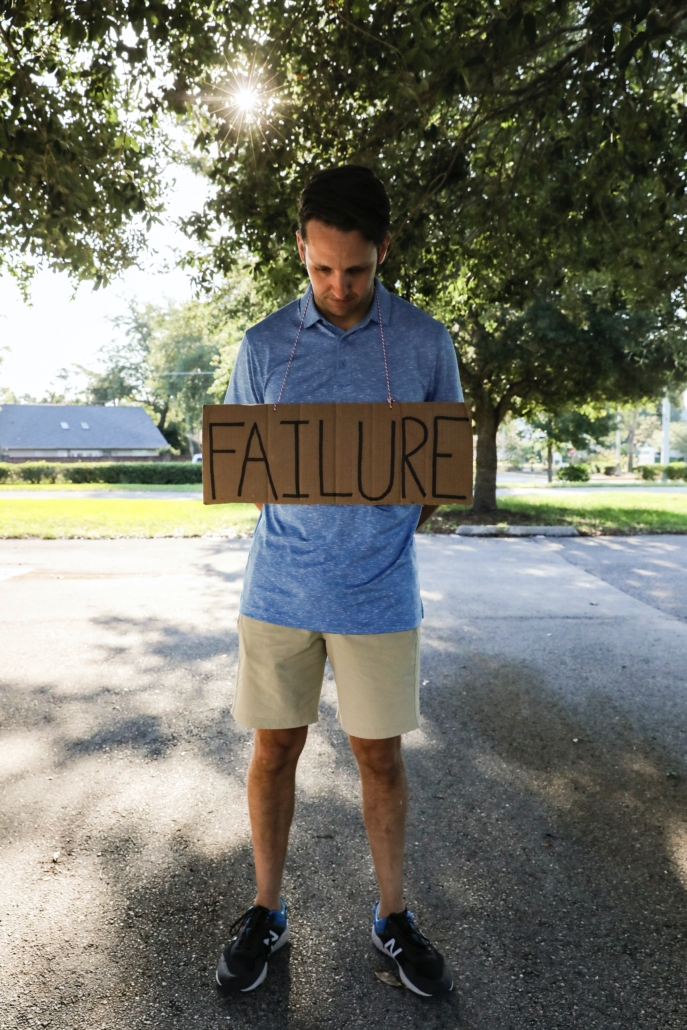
(420,966)
(243,963)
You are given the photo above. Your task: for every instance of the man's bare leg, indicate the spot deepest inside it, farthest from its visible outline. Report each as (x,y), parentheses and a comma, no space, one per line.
(271,798)
(385,803)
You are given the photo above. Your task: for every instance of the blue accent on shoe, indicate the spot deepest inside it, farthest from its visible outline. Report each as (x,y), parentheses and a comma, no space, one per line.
(279,914)
(380,924)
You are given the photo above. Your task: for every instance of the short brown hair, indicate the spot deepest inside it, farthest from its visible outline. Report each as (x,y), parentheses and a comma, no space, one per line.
(349,197)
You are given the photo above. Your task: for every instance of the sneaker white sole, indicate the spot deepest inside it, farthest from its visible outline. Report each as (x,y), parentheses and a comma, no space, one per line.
(404,979)
(280,944)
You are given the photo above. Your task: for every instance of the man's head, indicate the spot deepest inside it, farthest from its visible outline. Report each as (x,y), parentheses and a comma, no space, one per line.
(343,234)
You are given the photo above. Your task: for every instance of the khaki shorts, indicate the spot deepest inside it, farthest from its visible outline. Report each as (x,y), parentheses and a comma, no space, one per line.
(281,669)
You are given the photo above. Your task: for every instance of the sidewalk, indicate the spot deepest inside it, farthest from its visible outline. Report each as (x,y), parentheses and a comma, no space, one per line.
(547,845)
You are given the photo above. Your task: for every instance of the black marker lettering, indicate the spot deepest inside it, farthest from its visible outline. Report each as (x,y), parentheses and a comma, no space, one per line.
(323,492)
(297,447)
(407,455)
(256,432)
(214,451)
(436,455)
(360,463)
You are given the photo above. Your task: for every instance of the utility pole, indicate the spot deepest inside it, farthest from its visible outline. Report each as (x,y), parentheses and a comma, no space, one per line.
(665,425)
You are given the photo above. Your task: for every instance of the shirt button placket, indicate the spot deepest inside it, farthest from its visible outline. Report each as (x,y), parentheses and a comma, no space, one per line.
(341,354)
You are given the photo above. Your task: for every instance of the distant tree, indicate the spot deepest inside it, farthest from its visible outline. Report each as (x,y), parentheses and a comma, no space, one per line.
(177,358)
(165,362)
(578,429)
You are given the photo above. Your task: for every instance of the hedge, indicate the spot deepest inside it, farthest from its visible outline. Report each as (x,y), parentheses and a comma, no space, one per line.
(160,472)
(166,473)
(676,471)
(649,472)
(574,473)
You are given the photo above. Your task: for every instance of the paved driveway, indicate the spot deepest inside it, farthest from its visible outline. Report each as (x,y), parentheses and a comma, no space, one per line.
(548,834)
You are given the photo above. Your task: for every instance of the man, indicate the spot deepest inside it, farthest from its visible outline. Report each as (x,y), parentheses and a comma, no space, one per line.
(335,581)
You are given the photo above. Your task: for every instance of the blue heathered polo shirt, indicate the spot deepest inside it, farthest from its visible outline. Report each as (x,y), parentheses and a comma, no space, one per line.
(349,568)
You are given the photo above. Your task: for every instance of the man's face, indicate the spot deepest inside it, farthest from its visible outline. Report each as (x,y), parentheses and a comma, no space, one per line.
(342,267)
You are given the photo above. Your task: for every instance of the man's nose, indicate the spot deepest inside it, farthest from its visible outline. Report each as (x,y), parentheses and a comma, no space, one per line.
(341,285)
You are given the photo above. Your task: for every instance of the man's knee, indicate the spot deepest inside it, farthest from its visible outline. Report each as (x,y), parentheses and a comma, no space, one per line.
(380,759)
(276,750)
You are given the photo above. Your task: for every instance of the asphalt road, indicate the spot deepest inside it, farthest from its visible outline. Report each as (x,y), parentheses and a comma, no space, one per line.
(547,842)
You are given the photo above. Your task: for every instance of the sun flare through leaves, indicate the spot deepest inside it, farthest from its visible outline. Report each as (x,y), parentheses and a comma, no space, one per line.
(244,103)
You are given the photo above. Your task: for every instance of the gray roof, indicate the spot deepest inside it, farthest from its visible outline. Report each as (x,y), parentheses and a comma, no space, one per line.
(42,426)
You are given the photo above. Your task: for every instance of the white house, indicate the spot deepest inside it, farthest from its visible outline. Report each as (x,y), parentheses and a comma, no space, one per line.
(646,454)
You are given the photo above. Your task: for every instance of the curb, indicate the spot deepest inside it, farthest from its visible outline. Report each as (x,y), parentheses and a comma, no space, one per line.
(516,531)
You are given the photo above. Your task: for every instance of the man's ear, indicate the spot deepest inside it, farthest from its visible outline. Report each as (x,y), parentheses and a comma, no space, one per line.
(301,246)
(383,250)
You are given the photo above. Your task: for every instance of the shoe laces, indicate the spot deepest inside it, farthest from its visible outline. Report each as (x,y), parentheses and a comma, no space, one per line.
(406,923)
(249,926)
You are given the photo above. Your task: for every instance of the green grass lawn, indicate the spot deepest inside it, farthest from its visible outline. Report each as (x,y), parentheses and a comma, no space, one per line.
(41,488)
(592,513)
(605,512)
(96,518)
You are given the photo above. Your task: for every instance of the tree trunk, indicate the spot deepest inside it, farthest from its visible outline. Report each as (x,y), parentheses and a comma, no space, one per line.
(549,460)
(487,424)
(163,418)
(631,441)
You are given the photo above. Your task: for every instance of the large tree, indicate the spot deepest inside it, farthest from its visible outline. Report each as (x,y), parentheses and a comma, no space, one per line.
(535,158)
(84,90)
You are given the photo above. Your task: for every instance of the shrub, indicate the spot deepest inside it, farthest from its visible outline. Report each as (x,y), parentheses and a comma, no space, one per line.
(649,472)
(165,473)
(574,473)
(6,470)
(610,470)
(676,470)
(38,472)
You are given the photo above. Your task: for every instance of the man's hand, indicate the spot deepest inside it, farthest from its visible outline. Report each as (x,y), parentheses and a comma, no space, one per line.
(426,513)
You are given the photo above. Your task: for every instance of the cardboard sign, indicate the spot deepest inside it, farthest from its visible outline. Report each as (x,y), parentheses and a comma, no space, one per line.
(418,453)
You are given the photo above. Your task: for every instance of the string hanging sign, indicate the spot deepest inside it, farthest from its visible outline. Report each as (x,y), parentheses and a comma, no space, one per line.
(365,453)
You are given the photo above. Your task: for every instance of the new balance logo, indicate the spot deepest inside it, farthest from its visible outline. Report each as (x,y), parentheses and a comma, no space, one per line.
(389,947)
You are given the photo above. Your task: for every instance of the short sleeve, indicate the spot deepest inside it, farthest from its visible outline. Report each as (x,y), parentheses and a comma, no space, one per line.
(244,386)
(446,385)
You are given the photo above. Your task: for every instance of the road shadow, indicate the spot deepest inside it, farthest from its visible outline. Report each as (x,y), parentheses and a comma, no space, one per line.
(547,854)
(567,844)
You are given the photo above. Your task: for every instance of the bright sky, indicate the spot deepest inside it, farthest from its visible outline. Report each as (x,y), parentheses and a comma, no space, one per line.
(58,331)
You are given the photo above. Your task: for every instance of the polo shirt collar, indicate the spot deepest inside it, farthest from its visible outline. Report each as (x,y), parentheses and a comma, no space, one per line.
(312,315)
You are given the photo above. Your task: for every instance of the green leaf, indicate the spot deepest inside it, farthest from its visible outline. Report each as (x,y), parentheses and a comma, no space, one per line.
(529,28)
(625,36)
(360,9)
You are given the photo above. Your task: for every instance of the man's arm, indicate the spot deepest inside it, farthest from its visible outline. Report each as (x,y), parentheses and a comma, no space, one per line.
(426,513)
